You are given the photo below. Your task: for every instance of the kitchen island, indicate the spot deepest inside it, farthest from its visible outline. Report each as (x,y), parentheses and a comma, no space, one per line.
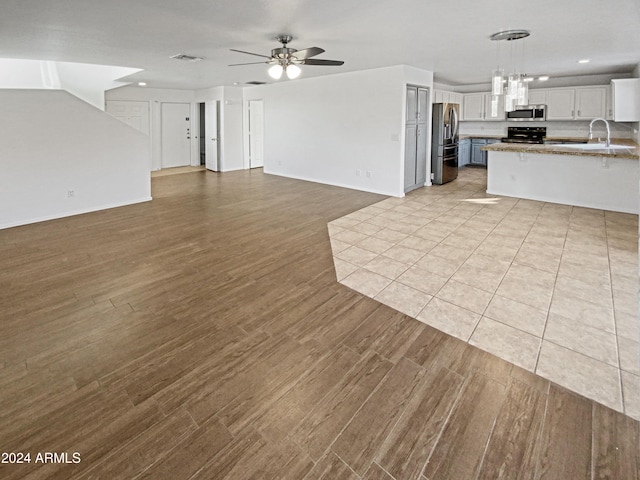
(592,177)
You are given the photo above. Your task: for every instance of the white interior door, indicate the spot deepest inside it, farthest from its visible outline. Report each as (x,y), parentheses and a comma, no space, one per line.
(211,113)
(256,133)
(134,114)
(176,134)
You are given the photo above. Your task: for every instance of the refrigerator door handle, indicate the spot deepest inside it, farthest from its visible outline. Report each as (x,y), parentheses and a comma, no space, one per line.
(454,123)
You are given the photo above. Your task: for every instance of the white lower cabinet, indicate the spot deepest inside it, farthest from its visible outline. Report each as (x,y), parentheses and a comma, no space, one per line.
(464,152)
(478,157)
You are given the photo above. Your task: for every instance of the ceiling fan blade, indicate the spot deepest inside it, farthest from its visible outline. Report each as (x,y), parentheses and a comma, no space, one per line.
(249,53)
(250,63)
(307,53)
(314,61)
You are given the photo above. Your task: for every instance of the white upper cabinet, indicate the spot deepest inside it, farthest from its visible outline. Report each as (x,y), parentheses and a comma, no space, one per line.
(494,111)
(579,103)
(625,98)
(473,106)
(444,96)
(561,103)
(591,102)
(480,106)
(567,103)
(538,97)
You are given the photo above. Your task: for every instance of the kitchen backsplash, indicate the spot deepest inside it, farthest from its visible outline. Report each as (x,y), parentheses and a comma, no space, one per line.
(574,128)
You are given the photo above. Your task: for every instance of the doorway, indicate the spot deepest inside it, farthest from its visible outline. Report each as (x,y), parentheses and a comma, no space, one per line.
(175,135)
(256,133)
(202,135)
(210,135)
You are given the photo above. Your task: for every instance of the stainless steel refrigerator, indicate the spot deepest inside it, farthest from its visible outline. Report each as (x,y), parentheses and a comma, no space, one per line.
(444,142)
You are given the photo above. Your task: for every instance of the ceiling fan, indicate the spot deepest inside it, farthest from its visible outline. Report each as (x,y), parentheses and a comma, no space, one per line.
(285,59)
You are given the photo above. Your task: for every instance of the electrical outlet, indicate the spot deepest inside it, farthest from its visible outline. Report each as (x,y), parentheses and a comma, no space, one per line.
(358,173)
(279,163)
(368,173)
(71,193)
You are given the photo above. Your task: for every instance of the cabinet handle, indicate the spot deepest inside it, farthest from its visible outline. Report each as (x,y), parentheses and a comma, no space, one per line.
(578,112)
(572,113)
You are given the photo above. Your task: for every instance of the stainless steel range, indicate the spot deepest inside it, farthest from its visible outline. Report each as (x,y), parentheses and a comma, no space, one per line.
(525,135)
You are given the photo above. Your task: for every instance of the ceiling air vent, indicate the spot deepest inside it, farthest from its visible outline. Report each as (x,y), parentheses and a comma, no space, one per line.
(256,83)
(187,58)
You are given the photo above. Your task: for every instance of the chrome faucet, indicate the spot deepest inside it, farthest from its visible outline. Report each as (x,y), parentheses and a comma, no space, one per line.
(608,131)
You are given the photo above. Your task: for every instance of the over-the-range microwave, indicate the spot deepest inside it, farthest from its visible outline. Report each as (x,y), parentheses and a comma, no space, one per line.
(528,113)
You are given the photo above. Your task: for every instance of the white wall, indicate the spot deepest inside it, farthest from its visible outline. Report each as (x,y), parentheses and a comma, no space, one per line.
(86,81)
(155,97)
(89,82)
(326,129)
(52,143)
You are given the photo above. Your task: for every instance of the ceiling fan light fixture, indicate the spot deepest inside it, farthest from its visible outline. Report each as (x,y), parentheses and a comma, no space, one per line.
(293,71)
(285,59)
(275,71)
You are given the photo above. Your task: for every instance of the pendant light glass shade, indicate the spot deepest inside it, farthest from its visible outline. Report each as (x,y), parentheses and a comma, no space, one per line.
(275,71)
(497,80)
(517,92)
(523,92)
(293,71)
(495,101)
(511,93)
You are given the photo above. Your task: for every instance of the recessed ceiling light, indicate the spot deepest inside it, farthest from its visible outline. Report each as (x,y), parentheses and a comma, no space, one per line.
(527,79)
(584,60)
(543,78)
(142,84)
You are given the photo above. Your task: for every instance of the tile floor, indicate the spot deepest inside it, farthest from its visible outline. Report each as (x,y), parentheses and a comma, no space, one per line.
(551,288)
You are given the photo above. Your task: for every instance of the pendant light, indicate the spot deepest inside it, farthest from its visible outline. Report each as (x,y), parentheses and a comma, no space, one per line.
(516,91)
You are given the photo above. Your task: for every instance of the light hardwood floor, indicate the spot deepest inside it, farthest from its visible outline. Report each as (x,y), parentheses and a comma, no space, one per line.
(204,335)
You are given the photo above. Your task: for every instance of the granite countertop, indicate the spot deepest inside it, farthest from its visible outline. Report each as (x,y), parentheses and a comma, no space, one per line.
(633,152)
(492,137)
